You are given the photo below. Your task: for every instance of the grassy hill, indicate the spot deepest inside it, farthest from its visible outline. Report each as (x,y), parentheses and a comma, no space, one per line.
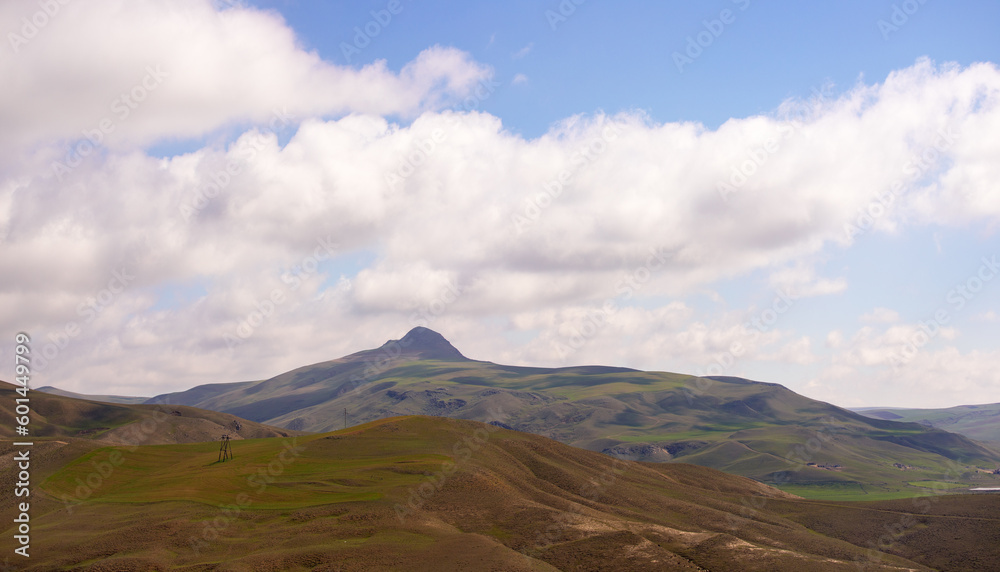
(980,422)
(56,416)
(431,493)
(104,398)
(760,430)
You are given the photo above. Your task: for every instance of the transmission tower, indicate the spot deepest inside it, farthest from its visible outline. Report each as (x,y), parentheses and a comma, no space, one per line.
(225,451)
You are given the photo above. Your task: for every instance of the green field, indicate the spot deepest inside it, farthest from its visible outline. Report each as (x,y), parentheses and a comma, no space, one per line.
(851,492)
(192,473)
(938,485)
(431,493)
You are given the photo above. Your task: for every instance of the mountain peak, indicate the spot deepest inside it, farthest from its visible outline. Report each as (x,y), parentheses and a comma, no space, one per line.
(428,344)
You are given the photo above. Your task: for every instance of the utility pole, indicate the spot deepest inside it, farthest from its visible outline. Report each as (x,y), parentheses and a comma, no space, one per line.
(345,418)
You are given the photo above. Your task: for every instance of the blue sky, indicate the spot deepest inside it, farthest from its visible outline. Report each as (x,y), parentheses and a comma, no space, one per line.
(618,56)
(413,186)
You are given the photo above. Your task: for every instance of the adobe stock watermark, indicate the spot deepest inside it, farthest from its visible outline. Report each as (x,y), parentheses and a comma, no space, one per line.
(899,17)
(586,154)
(424,316)
(247,148)
(104,466)
(761,323)
(462,451)
(878,546)
(562,13)
(266,307)
(364,34)
(597,319)
(797,456)
(121,109)
(697,44)
(916,167)
(593,490)
(32,25)
(757,156)
(420,151)
(258,482)
(955,301)
(485,89)
(88,310)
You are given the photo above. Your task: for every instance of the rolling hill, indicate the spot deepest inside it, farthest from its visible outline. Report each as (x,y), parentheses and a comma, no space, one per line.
(432,493)
(760,430)
(56,416)
(105,398)
(980,422)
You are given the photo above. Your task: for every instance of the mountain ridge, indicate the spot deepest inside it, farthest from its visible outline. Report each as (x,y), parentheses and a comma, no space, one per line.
(757,429)
(980,422)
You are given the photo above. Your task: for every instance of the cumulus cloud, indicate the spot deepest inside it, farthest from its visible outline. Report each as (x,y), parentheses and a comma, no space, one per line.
(801,281)
(932,378)
(904,365)
(150,70)
(881,316)
(523,51)
(600,228)
(990,316)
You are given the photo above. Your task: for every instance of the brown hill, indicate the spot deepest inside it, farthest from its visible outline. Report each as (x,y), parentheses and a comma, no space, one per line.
(56,416)
(422,493)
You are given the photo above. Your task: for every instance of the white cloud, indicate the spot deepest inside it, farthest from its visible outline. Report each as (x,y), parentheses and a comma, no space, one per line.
(801,281)
(523,51)
(798,351)
(519,79)
(880,316)
(990,316)
(539,232)
(203,69)
(835,339)
(936,378)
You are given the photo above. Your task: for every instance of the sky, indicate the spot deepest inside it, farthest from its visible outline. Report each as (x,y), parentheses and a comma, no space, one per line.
(205,191)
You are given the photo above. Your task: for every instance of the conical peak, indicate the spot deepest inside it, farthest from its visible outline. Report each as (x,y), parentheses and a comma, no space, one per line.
(428,344)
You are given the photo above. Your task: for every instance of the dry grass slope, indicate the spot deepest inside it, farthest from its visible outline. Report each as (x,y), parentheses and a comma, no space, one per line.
(423,493)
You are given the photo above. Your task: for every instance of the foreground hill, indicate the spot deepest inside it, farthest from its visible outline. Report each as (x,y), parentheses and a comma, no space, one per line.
(980,422)
(430,493)
(56,416)
(760,430)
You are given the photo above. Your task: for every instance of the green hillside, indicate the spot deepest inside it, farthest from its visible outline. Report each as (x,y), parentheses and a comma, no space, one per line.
(760,430)
(426,493)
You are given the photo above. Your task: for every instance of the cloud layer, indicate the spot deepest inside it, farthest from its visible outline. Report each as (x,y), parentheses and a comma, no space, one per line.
(387,208)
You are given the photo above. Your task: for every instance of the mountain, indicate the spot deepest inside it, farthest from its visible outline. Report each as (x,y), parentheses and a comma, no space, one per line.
(59,417)
(432,493)
(103,398)
(980,422)
(760,430)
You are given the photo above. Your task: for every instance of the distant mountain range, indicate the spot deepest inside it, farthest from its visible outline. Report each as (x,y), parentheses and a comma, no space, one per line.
(980,422)
(103,398)
(760,430)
